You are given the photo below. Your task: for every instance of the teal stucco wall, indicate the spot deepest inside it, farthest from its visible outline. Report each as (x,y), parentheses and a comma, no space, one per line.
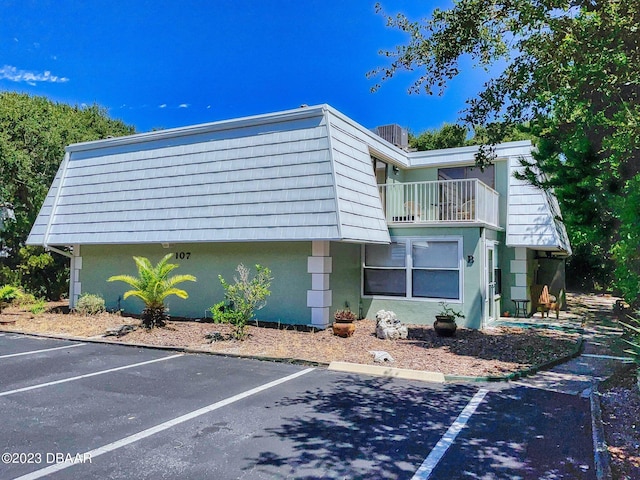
(287,261)
(423,311)
(345,279)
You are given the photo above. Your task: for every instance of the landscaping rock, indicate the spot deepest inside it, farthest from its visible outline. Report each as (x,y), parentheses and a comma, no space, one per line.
(381,357)
(214,337)
(120,331)
(388,327)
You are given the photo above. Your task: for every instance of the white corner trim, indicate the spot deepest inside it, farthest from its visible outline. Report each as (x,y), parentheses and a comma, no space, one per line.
(63,172)
(320,297)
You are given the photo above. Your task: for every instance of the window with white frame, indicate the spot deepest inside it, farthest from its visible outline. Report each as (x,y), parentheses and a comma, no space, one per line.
(414,268)
(385,271)
(435,269)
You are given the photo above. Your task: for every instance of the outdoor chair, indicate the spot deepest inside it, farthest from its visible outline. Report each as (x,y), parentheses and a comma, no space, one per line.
(542,301)
(467,211)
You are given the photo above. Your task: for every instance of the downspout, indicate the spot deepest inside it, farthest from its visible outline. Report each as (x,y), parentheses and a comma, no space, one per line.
(57,250)
(484,277)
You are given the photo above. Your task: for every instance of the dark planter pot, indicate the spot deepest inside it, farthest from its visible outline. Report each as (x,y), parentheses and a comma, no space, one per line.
(343,329)
(445,325)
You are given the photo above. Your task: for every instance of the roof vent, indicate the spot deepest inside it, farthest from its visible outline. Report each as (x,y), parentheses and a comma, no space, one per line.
(394,134)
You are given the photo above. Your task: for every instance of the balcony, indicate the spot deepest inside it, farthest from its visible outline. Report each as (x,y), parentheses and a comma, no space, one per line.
(440,202)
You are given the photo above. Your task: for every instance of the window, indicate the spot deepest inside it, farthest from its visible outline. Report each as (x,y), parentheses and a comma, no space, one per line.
(414,268)
(381,170)
(385,270)
(498,278)
(435,269)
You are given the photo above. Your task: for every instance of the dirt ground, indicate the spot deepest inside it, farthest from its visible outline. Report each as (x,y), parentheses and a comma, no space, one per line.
(493,352)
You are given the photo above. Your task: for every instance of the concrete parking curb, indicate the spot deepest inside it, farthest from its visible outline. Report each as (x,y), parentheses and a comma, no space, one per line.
(384,371)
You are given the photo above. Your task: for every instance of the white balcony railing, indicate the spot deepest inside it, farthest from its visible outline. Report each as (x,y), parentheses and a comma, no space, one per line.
(442,201)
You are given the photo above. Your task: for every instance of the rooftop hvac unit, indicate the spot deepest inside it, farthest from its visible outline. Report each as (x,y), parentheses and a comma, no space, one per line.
(394,134)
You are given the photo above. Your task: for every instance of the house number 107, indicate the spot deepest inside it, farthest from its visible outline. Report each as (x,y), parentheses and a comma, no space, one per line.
(183,255)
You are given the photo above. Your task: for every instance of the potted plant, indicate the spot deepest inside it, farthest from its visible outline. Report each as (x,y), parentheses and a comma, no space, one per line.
(445,324)
(343,325)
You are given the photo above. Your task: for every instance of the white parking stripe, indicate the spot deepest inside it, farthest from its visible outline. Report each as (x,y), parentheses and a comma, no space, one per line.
(40,351)
(447,439)
(163,426)
(86,375)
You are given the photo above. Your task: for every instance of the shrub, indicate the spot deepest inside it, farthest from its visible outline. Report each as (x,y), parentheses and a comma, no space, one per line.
(90,304)
(243,298)
(8,294)
(38,307)
(25,300)
(223,312)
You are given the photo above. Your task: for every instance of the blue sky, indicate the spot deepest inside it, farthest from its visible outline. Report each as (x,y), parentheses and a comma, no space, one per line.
(163,64)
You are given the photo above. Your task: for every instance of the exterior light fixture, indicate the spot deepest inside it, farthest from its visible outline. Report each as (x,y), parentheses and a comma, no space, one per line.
(470,259)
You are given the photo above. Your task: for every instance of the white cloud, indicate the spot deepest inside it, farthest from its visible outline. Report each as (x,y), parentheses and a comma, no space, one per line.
(183,105)
(14,74)
(164,105)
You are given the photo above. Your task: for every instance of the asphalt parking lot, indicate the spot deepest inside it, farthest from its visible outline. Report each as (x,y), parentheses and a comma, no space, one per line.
(83,410)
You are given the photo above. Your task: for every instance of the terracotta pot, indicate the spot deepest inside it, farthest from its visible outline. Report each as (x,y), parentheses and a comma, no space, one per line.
(445,326)
(344,329)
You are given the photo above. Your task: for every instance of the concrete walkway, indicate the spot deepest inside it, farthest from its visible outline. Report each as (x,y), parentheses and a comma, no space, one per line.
(578,376)
(593,317)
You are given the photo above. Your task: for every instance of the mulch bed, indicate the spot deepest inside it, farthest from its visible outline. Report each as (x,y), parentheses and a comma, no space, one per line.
(620,402)
(491,352)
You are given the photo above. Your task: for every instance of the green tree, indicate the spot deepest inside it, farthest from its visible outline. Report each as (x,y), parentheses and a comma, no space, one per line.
(447,136)
(571,71)
(153,285)
(452,135)
(33,134)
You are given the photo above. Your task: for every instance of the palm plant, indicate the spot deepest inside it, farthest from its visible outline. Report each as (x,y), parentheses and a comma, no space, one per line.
(153,285)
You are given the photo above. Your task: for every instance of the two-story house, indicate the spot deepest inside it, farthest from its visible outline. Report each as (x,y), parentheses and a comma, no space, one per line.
(342,217)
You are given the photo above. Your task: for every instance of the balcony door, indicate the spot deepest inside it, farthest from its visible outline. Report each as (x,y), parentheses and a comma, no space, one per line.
(486,176)
(458,198)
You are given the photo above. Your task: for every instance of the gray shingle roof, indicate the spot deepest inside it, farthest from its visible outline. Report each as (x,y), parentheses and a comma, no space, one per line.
(534,218)
(304,174)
